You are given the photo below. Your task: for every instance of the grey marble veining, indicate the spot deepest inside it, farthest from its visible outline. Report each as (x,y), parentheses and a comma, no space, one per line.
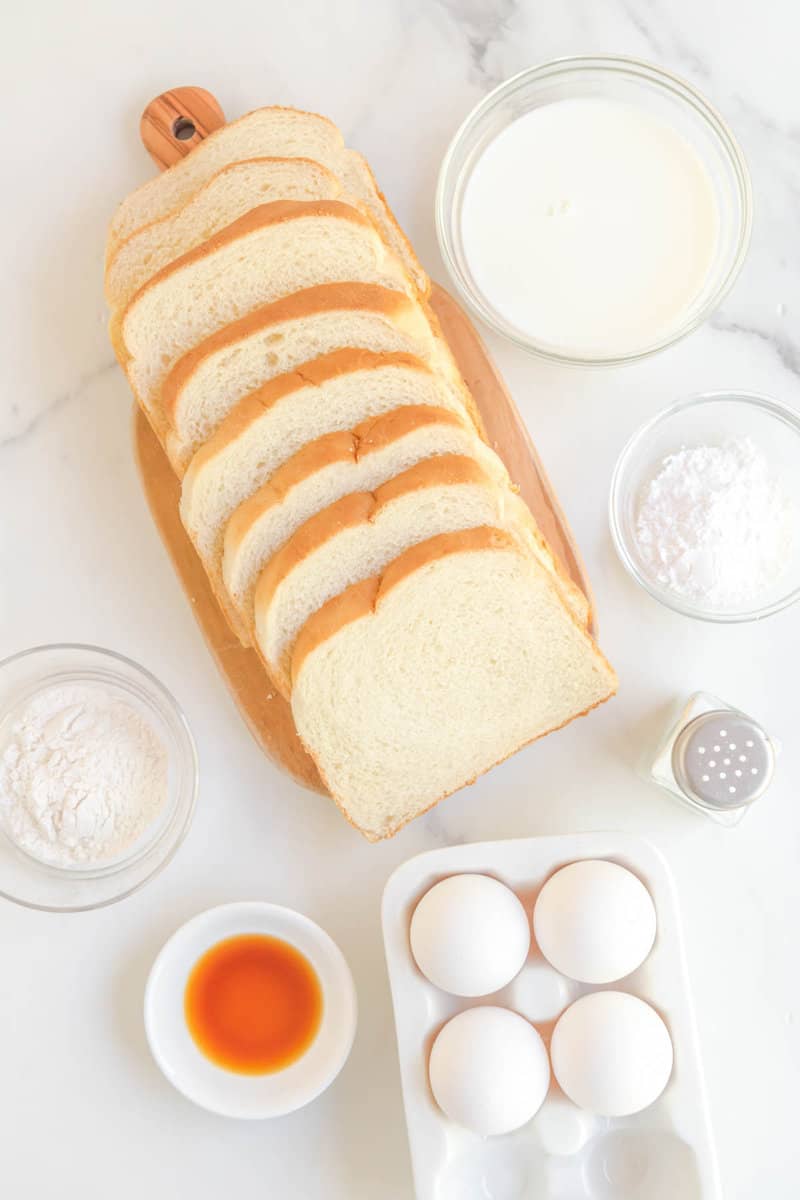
(56,404)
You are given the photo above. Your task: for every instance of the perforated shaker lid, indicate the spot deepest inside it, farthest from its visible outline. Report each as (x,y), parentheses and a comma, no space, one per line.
(723,760)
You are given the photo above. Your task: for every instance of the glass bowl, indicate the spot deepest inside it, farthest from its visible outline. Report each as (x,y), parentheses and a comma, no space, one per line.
(707,419)
(36,884)
(622,79)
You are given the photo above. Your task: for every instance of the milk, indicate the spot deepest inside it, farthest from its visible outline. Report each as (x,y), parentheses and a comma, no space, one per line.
(590,226)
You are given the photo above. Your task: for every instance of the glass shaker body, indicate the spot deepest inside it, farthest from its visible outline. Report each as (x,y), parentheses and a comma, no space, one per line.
(714,758)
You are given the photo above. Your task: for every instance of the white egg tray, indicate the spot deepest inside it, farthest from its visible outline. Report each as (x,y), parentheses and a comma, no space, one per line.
(662,1153)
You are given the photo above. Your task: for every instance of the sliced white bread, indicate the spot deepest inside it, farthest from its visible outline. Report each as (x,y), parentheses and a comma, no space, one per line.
(273,250)
(211,378)
(356,460)
(334,392)
(409,685)
(268,132)
(359,535)
(229,194)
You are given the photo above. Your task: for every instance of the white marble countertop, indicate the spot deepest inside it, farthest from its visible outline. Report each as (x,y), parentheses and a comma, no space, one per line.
(83,1110)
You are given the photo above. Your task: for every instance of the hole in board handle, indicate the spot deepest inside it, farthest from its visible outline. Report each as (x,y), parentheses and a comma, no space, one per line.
(183,129)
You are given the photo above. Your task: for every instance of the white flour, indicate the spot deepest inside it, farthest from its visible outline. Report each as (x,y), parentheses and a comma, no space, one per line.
(82,775)
(715,524)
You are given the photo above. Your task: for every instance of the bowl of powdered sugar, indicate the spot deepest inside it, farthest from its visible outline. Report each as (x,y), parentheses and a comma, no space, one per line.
(705,507)
(98,777)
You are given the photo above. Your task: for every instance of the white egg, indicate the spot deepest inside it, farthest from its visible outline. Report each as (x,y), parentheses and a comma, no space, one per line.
(594,921)
(611,1053)
(489,1070)
(470,935)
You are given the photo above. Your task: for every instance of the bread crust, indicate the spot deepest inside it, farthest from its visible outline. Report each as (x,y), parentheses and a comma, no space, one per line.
(357,508)
(363,599)
(210,139)
(264,216)
(440,470)
(331,181)
(394,305)
(351,511)
(374,434)
(421,280)
(325,451)
(314,374)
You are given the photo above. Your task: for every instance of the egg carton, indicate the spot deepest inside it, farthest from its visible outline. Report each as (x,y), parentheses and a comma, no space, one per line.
(564,1153)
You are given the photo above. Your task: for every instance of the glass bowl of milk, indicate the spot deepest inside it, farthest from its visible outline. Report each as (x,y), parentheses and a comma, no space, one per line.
(594,210)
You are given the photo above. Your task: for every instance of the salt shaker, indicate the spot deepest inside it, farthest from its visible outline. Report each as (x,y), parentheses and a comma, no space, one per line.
(715,758)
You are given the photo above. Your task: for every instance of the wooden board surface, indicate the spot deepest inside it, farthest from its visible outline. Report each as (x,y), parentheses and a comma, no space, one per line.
(266,713)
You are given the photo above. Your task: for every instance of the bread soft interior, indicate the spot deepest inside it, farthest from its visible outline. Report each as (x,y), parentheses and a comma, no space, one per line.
(408,687)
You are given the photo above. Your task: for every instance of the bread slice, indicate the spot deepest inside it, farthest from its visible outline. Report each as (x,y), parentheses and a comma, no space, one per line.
(356,460)
(210,379)
(268,132)
(229,194)
(273,250)
(360,534)
(334,392)
(409,685)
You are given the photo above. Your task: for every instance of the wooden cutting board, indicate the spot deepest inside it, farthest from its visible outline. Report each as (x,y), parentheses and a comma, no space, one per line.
(171,126)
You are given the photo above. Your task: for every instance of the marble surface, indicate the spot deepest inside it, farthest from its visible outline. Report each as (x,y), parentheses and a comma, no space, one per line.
(83,1110)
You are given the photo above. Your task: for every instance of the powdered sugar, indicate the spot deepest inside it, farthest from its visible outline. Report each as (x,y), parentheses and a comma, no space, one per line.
(82,776)
(716,525)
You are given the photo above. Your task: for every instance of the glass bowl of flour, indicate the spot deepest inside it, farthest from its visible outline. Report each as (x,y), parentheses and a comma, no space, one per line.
(98,777)
(705,507)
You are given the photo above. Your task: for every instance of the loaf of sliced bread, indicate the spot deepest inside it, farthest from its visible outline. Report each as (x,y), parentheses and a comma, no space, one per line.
(333,466)
(335,392)
(409,685)
(272,251)
(358,536)
(210,379)
(229,194)
(274,324)
(271,133)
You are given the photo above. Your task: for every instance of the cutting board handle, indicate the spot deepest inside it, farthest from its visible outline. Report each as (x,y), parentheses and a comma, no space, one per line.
(176,121)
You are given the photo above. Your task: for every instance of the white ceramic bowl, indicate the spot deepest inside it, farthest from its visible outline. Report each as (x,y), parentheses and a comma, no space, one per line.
(226,1092)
